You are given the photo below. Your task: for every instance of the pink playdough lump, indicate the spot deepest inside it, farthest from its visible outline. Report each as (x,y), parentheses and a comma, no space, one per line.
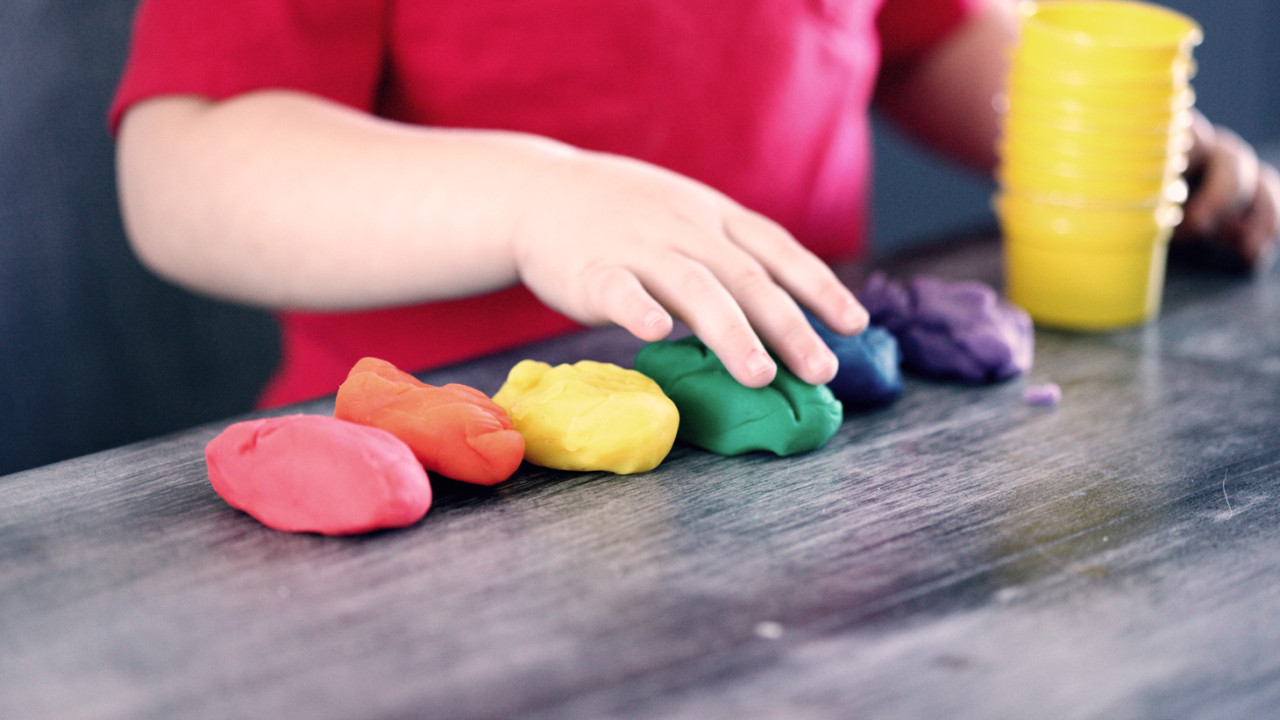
(315,473)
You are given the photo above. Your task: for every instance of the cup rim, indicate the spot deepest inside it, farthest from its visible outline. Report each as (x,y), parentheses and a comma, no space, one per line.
(1175,191)
(1033,16)
(1135,243)
(1037,70)
(1162,212)
(1082,169)
(1098,119)
(1070,141)
(1034,80)
(1180,122)
(1069,103)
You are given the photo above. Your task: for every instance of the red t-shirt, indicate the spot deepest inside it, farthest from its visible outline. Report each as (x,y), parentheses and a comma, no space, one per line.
(765,100)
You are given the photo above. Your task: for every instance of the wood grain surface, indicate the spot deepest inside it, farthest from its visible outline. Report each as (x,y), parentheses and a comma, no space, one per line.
(958,554)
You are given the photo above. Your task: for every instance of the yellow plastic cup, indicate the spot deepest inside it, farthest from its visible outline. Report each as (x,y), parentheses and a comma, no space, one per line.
(1072,158)
(1151,109)
(1038,69)
(1076,289)
(1094,144)
(1136,167)
(1092,161)
(1099,120)
(1086,188)
(1099,94)
(1107,35)
(1069,140)
(1085,267)
(1086,227)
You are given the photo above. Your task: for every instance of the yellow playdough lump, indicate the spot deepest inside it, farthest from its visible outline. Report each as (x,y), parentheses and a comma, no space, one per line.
(589,416)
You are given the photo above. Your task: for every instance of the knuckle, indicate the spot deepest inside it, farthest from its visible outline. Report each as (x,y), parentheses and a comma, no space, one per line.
(737,337)
(752,280)
(601,286)
(697,281)
(768,234)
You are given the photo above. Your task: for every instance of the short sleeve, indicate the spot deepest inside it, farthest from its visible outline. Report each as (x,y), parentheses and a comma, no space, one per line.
(332,48)
(910,28)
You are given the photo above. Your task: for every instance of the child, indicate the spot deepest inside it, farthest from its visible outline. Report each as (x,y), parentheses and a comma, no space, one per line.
(427,182)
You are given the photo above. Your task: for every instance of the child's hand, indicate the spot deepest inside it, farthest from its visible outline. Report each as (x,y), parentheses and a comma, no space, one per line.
(1236,200)
(607,239)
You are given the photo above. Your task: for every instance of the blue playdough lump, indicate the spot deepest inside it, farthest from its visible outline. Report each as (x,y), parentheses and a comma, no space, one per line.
(870,373)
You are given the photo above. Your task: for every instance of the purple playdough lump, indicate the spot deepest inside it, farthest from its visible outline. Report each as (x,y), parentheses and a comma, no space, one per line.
(952,330)
(1046,395)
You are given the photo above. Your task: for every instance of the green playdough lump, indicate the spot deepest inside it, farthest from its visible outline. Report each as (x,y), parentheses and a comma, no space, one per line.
(719,414)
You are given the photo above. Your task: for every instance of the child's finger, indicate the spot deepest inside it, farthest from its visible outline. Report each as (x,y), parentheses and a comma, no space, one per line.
(698,297)
(1261,231)
(1230,176)
(623,300)
(775,317)
(801,273)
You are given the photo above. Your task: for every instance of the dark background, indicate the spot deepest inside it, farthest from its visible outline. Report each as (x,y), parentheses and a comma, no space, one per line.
(94,352)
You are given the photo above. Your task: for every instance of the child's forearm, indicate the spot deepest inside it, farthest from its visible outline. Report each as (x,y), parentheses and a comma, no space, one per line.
(284,200)
(947,99)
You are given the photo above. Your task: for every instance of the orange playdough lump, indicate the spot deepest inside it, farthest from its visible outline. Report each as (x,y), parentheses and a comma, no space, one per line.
(453,429)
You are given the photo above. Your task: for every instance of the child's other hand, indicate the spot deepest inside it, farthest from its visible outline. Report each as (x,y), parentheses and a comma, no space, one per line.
(608,239)
(1236,198)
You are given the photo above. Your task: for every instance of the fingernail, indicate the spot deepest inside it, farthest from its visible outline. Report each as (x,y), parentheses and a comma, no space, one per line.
(856,317)
(822,364)
(759,363)
(654,319)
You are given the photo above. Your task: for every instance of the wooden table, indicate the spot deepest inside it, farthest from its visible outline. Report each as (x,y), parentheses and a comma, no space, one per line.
(958,554)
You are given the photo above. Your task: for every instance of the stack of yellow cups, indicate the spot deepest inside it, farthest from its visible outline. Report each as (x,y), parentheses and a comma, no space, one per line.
(1095,142)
